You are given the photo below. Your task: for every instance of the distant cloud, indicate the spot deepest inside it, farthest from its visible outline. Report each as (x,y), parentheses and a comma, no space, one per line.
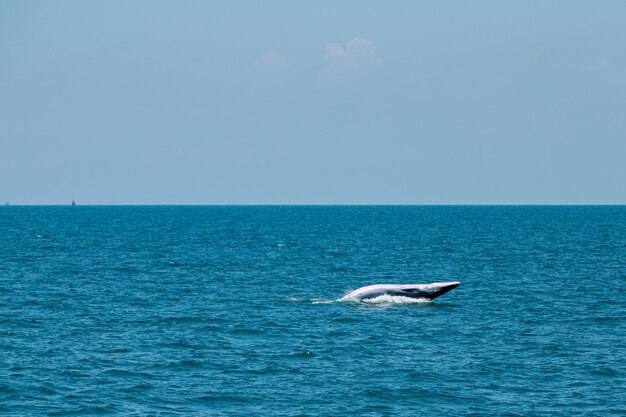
(358,54)
(607,72)
(599,65)
(271,61)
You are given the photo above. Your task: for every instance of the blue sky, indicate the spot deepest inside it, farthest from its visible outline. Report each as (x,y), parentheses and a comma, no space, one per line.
(325,102)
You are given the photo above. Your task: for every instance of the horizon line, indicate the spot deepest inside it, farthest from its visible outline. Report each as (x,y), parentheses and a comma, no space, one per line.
(325,205)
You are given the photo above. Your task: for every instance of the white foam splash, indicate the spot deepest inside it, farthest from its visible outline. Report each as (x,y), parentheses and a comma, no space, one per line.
(395,299)
(383,299)
(321,301)
(348,300)
(310,300)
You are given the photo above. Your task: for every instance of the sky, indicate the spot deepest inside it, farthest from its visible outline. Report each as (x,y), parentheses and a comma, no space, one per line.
(312,102)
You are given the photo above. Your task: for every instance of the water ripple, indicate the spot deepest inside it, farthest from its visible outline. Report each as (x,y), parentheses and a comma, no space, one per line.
(233,311)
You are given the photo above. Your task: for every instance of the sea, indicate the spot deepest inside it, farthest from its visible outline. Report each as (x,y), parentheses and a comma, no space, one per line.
(235,311)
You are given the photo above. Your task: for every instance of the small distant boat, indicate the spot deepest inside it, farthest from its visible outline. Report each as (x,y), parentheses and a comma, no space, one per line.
(73,202)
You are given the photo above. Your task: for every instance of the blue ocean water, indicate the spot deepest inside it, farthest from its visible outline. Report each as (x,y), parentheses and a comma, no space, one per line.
(230,311)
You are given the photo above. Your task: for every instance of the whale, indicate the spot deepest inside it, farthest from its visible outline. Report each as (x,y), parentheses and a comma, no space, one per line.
(416,291)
